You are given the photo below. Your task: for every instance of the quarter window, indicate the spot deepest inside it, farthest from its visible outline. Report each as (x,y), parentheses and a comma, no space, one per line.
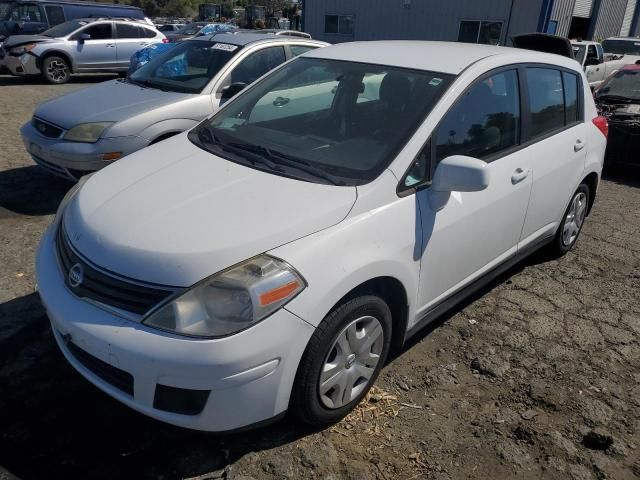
(484,122)
(570,82)
(340,24)
(300,49)
(546,100)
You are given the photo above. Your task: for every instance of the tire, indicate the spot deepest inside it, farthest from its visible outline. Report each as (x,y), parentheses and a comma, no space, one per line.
(572,222)
(56,70)
(333,348)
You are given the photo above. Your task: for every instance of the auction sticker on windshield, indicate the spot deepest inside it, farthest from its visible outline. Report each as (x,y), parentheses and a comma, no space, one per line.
(225,46)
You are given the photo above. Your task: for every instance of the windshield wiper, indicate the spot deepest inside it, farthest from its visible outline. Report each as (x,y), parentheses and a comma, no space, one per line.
(144,83)
(288,160)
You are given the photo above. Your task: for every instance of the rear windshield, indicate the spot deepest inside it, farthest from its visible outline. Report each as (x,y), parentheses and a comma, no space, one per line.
(625,83)
(186,68)
(628,47)
(63,29)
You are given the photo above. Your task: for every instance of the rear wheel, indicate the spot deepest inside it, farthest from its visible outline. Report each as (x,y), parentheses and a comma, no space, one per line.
(572,222)
(55,69)
(342,360)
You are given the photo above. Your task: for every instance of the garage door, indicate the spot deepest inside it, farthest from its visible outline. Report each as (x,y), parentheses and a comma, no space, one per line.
(583,8)
(628,18)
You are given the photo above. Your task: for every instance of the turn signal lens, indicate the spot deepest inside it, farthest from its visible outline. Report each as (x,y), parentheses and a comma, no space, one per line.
(111,156)
(279,293)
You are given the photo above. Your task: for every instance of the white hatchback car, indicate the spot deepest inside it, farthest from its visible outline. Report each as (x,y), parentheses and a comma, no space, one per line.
(269,258)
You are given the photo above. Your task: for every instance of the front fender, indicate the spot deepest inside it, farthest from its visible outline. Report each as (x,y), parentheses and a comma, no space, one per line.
(174,125)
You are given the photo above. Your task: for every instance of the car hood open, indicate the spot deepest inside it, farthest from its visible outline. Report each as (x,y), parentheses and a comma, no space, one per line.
(174,214)
(111,101)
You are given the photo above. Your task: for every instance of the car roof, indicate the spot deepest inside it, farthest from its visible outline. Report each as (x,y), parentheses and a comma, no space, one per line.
(241,38)
(444,57)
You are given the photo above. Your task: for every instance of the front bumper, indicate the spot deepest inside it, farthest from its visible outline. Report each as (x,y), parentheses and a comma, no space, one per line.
(23,65)
(72,160)
(248,376)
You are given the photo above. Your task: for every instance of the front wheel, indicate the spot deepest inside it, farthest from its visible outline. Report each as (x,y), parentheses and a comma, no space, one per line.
(56,70)
(342,360)
(572,222)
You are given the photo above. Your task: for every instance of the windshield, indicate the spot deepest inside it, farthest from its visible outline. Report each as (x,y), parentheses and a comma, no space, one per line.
(625,83)
(186,68)
(578,52)
(628,47)
(325,121)
(190,29)
(63,29)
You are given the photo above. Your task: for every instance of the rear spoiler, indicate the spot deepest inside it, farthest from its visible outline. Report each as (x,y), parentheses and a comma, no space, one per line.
(543,42)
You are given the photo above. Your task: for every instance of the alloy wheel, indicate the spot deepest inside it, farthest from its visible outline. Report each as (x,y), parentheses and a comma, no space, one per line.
(57,70)
(351,362)
(574,219)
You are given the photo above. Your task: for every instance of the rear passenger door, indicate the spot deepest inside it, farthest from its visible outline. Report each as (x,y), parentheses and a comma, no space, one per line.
(96,53)
(554,128)
(129,39)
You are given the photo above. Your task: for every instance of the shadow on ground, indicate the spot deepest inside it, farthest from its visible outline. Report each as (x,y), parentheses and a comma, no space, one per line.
(8,80)
(31,191)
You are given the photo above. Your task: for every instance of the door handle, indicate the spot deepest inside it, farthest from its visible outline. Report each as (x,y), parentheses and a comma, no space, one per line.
(110,45)
(579,145)
(519,175)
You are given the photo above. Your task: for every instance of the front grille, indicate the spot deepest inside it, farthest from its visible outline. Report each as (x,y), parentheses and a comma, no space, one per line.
(118,378)
(45,128)
(103,288)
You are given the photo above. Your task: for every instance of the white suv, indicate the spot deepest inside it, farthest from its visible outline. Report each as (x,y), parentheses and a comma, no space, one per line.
(268,259)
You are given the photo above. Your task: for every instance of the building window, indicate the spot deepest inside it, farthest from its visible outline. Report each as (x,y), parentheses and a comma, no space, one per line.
(475,31)
(339,24)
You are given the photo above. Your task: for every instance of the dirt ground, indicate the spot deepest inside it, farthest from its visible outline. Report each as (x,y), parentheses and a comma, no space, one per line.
(536,378)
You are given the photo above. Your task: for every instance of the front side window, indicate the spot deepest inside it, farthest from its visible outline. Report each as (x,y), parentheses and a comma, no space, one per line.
(475,31)
(339,24)
(26,12)
(187,68)
(55,14)
(257,64)
(307,120)
(100,31)
(546,100)
(484,121)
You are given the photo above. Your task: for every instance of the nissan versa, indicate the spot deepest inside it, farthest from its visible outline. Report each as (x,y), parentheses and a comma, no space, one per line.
(269,258)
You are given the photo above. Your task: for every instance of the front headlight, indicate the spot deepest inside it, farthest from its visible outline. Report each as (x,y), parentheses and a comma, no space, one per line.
(231,300)
(87,132)
(22,49)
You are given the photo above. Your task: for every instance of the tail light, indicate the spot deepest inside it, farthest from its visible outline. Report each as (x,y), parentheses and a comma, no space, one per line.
(165,40)
(603,125)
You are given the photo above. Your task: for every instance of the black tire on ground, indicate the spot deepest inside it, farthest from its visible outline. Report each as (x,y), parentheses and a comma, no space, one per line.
(561,244)
(306,402)
(56,69)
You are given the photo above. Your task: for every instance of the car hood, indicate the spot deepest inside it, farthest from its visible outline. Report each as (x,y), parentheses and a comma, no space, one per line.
(174,214)
(17,40)
(111,101)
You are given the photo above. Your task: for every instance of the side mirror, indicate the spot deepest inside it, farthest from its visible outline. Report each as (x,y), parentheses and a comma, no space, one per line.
(592,61)
(233,89)
(460,174)
(83,37)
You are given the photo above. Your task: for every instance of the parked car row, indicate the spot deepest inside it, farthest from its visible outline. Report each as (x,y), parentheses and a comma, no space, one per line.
(269,256)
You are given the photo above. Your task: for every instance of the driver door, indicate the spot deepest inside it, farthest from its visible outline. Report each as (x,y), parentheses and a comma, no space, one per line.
(466,234)
(99,51)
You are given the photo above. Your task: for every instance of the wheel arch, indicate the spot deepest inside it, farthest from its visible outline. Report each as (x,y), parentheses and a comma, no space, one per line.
(591,181)
(58,53)
(164,136)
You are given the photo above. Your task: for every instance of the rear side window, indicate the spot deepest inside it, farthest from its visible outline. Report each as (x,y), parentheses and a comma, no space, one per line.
(127,30)
(546,100)
(147,32)
(484,122)
(55,14)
